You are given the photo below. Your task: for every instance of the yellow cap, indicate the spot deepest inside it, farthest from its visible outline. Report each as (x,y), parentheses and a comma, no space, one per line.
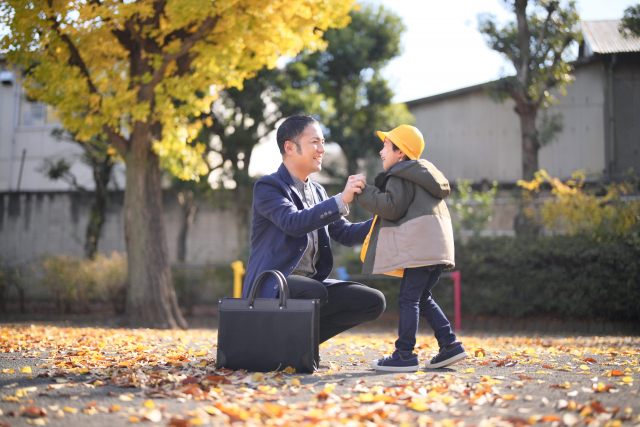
(406,138)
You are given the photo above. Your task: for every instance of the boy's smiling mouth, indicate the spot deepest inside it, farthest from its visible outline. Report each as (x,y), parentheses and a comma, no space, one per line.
(318,159)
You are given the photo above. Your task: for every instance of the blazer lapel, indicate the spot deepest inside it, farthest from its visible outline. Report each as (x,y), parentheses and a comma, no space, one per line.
(286,177)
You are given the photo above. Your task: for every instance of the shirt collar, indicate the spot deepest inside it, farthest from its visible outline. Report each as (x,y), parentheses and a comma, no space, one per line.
(300,185)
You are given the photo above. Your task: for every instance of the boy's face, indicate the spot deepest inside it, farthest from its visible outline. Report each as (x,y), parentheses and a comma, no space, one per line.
(390,157)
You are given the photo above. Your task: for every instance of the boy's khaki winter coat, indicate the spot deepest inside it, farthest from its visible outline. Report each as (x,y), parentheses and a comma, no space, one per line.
(414,226)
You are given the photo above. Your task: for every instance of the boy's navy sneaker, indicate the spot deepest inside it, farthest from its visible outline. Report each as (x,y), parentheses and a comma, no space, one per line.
(397,363)
(447,356)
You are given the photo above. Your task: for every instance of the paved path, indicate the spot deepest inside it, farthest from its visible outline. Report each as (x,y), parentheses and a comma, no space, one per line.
(110,377)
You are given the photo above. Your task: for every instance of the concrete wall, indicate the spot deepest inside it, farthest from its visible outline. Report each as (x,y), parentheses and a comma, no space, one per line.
(581,145)
(471,136)
(28,125)
(32,224)
(625,153)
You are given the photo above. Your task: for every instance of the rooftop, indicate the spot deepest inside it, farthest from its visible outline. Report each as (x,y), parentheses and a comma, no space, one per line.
(604,37)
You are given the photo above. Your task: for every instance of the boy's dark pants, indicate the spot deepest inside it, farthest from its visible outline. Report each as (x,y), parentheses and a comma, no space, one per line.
(414,301)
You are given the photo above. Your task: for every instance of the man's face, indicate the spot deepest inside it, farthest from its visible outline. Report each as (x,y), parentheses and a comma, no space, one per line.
(309,157)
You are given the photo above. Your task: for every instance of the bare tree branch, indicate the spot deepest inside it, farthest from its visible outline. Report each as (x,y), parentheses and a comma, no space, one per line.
(207,25)
(76,60)
(524,37)
(545,27)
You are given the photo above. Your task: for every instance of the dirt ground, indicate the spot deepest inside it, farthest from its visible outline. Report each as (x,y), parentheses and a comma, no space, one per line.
(65,375)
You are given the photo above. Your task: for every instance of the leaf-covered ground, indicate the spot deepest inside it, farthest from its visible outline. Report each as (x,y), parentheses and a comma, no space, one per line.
(91,376)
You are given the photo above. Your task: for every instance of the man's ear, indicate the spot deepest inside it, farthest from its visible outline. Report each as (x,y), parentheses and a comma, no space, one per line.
(288,147)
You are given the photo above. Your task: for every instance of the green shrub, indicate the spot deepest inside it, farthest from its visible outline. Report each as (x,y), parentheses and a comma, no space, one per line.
(111,279)
(74,282)
(562,277)
(68,280)
(201,285)
(570,277)
(472,210)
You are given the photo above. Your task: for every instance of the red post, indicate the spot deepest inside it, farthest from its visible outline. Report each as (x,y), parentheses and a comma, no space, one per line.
(456,299)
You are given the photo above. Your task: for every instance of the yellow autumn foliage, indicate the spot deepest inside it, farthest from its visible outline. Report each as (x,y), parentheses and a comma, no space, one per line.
(573,208)
(138,70)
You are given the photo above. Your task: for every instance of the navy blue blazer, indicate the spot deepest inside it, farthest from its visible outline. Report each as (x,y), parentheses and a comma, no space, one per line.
(279,230)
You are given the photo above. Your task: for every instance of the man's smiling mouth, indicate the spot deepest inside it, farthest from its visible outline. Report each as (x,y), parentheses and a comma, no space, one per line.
(318,159)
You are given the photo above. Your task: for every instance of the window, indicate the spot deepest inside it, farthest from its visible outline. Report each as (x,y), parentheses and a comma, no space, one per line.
(37,114)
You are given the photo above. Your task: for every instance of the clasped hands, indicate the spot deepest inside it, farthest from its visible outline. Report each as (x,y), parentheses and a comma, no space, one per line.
(354,186)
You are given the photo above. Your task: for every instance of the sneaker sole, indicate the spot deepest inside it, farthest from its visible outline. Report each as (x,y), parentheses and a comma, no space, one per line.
(397,368)
(454,359)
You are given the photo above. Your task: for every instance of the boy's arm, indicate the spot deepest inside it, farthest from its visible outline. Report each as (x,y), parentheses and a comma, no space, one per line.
(392,204)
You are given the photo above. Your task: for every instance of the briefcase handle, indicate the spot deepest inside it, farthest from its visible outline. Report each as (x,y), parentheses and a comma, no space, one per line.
(282,283)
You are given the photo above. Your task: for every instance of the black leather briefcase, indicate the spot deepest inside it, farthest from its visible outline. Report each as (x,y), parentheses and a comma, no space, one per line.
(268,334)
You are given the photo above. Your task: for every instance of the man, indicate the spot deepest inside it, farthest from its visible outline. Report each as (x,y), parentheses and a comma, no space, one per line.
(293,219)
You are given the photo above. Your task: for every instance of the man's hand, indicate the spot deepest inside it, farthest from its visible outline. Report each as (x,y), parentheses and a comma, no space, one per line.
(354,186)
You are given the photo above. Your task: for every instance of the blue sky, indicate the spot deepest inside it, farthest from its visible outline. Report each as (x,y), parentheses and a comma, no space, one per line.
(443,51)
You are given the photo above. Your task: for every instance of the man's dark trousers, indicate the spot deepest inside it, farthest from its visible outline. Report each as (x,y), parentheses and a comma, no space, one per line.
(343,305)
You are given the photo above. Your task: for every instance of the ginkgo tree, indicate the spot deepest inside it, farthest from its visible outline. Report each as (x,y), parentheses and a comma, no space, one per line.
(136,70)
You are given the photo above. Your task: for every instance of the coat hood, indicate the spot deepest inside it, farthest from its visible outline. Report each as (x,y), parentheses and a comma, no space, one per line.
(423,173)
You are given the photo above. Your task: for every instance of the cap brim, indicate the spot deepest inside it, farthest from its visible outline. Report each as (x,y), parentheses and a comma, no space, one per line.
(383,135)
(398,143)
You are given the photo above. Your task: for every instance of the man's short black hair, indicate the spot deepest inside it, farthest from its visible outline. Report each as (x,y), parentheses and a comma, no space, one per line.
(291,129)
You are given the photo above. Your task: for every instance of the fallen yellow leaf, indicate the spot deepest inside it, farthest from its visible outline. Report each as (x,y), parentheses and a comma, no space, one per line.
(366,397)
(418,406)
(149,404)
(26,370)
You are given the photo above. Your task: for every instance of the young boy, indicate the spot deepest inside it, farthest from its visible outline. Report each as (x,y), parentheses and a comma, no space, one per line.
(411,237)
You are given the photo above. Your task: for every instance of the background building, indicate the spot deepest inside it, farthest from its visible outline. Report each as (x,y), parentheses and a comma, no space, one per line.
(470,136)
(467,135)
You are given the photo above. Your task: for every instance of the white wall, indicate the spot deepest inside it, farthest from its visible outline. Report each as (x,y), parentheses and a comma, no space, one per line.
(581,144)
(471,136)
(32,224)
(34,135)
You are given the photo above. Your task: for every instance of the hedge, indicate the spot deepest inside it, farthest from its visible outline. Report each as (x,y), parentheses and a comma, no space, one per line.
(561,277)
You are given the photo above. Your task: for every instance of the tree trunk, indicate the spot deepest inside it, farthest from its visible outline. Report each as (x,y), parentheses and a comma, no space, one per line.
(189,207)
(244,201)
(522,224)
(151,299)
(352,165)
(101,176)
(243,217)
(530,145)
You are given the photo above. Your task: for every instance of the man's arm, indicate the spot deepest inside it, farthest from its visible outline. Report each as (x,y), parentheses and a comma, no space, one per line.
(348,234)
(272,203)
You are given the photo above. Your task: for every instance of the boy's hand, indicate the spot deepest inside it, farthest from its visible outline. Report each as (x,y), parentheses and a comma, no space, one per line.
(354,186)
